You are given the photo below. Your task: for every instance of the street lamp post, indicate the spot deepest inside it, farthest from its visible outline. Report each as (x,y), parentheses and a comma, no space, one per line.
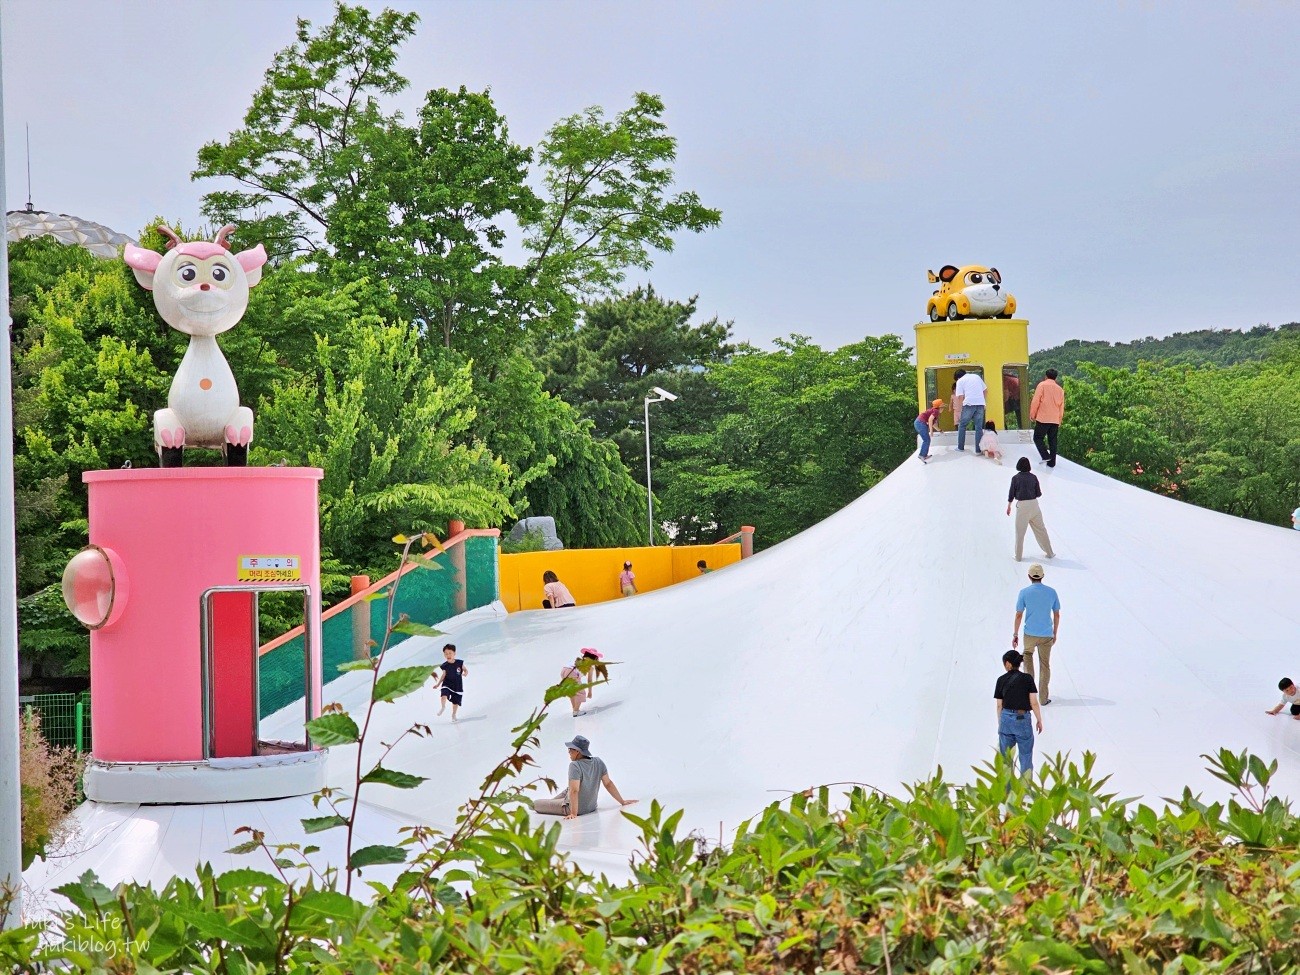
(660,396)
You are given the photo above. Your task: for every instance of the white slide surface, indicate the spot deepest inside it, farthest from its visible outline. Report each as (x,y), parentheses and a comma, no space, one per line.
(863,650)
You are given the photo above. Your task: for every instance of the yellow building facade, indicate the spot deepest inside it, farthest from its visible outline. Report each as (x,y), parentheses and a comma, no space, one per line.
(996,348)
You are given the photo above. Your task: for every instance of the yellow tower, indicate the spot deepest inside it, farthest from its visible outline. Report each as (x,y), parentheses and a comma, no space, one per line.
(996,348)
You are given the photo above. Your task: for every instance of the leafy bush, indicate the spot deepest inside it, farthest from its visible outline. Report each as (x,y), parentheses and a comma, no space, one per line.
(532,541)
(1002,874)
(50,777)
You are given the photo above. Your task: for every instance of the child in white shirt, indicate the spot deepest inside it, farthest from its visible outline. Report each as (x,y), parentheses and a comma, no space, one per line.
(1290,696)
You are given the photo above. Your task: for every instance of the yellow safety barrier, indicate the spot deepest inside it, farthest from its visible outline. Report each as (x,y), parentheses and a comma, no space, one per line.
(591,574)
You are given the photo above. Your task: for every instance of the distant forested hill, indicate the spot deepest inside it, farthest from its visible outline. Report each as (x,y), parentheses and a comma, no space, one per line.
(1219,347)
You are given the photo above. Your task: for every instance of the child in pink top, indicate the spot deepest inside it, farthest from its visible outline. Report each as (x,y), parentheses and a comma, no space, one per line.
(578,699)
(556,594)
(989,442)
(586,668)
(627,580)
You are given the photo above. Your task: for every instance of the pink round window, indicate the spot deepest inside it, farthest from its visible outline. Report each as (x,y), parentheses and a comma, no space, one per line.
(89,586)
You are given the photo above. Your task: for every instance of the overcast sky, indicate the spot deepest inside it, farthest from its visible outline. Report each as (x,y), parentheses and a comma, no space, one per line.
(1131,168)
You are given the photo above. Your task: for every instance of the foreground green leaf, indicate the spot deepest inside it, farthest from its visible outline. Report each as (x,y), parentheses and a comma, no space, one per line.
(333,729)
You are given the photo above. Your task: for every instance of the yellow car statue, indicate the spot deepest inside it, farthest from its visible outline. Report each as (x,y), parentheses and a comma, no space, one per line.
(969,292)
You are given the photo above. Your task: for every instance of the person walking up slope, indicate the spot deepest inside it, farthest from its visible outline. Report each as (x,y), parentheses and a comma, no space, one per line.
(1040,607)
(1017,698)
(1025,492)
(926,425)
(971,390)
(1046,410)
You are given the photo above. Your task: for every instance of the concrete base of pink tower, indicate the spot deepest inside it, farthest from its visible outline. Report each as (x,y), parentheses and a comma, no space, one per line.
(293,773)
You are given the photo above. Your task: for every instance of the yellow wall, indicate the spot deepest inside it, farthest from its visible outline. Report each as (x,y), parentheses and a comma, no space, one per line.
(991,343)
(592,573)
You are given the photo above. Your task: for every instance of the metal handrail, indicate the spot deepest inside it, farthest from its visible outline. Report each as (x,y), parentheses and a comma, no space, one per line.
(357,597)
(745,537)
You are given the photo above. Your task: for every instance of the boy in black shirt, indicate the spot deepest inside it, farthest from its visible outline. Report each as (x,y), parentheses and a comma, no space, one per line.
(1017,696)
(453,686)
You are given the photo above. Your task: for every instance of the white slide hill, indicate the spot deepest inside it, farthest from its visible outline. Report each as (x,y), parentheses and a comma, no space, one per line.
(863,650)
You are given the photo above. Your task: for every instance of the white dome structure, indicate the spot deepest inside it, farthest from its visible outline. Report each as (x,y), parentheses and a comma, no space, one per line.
(863,650)
(94,237)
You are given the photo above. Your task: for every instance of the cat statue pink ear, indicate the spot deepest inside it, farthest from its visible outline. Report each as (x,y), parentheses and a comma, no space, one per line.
(143,263)
(251,261)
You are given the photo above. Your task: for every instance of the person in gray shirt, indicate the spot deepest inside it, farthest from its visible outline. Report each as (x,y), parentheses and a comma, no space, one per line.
(586,775)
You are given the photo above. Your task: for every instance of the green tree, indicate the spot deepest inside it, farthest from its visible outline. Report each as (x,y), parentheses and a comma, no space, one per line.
(1122,424)
(1222,438)
(564,468)
(425,209)
(802,432)
(429,219)
(391,436)
(606,204)
(82,367)
(1210,346)
(298,147)
(623,347)
(35,265)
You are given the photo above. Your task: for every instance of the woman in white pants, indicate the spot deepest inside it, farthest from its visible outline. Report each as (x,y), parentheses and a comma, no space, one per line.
(1025,492)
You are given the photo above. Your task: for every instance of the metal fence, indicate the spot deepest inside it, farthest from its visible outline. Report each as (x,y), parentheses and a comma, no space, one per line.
(466,579)
(65,718)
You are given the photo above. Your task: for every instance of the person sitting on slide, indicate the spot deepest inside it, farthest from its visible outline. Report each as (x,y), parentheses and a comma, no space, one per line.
(556,593)
(587,774)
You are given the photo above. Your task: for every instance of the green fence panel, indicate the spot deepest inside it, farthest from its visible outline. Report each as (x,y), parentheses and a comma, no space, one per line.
(60,715)
(426,596)
(481,584)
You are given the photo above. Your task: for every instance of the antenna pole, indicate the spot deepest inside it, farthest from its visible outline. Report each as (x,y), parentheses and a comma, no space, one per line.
(28,127)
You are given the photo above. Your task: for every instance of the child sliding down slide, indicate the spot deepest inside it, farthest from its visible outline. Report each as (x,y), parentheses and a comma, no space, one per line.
(451,680)
(585,669)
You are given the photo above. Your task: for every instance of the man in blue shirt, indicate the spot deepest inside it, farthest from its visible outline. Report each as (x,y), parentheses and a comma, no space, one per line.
(1040,608)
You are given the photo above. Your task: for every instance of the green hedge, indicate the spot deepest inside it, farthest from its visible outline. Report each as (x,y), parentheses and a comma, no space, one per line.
(1000,875)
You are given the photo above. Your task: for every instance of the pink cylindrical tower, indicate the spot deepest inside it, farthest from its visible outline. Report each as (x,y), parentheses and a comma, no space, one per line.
(170,586)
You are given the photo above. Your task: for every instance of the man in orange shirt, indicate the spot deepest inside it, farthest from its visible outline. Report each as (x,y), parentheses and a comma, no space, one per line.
(1046,411)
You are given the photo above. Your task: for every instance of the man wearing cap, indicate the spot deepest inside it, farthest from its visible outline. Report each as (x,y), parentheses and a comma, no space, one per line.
(1040,608)
(586,775)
